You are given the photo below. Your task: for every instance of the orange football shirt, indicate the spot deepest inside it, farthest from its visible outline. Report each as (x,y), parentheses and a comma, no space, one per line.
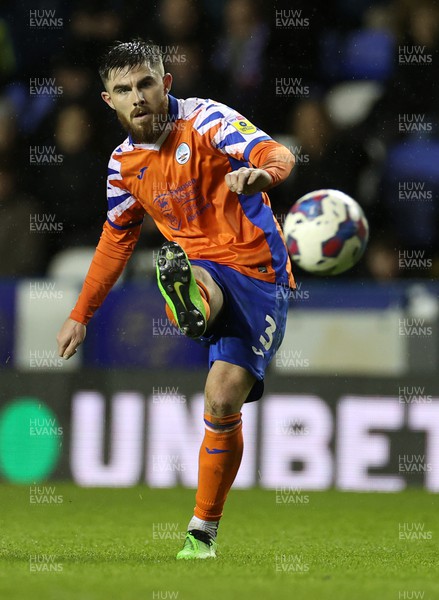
(180,182)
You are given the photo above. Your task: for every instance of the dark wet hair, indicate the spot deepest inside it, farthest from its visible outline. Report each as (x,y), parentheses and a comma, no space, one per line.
(129,54)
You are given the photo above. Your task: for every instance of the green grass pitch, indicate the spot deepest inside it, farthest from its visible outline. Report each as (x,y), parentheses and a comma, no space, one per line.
(98,544)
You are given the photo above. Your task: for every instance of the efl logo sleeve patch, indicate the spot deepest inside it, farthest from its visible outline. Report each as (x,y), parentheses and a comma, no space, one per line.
(244,126)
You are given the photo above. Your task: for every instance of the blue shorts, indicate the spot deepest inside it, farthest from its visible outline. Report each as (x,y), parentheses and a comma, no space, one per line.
(251,325)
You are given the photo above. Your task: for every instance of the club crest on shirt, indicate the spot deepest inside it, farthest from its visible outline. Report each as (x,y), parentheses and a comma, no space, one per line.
(244,126)
(183,153)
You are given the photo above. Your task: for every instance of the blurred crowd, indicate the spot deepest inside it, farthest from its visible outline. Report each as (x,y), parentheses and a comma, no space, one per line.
(350,87)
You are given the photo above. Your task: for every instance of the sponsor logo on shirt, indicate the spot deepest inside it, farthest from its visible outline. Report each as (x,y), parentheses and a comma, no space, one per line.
(184,203)
(244,126)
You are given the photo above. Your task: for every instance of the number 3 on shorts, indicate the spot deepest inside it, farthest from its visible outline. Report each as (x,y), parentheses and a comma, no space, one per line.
(268,340)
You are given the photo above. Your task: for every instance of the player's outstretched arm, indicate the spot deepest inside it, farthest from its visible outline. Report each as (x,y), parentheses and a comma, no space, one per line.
(112,253)
(272,163)
(69,337)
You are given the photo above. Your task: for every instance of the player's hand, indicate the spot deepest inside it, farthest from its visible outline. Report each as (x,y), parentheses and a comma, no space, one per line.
(248,181)
(69,337)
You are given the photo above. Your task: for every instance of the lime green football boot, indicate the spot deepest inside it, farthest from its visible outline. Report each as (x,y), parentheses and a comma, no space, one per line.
(180,290)
(199,547)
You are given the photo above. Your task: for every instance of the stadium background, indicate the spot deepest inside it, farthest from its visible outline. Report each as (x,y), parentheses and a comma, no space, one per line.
(352,398)
(98,454)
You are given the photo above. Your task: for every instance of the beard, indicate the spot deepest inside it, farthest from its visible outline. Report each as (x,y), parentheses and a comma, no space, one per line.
(149,129)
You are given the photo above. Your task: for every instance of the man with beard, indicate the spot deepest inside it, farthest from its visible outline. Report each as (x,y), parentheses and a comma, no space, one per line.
(201,170)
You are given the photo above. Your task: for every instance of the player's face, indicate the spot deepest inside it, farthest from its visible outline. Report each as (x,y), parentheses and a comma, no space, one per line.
(140,98)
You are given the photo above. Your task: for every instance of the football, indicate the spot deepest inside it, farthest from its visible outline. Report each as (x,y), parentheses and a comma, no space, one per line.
(326,232)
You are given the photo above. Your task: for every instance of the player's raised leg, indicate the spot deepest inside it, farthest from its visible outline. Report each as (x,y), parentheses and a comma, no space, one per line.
(227,388)
(193,299)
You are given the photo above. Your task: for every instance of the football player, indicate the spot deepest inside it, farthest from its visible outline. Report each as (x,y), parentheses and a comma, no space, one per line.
(202,171)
